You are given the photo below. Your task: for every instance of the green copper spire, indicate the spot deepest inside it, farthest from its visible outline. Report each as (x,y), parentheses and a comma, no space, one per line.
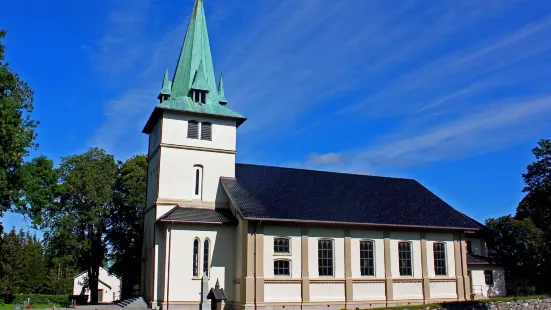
(200,82)
(221,97)
(195,51)
(165,90)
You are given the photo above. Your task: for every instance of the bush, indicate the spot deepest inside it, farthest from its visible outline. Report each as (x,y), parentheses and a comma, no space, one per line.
(20,299)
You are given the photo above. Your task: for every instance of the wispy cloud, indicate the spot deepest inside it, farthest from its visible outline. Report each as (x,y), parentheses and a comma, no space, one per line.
(454,78)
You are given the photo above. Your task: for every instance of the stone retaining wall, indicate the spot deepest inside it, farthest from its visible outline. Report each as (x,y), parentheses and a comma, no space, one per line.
(531,304)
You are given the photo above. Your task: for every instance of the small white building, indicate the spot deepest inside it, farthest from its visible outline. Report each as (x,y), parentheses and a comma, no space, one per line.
(109,286)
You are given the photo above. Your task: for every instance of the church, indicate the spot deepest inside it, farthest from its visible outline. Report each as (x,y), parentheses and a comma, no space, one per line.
(274,237)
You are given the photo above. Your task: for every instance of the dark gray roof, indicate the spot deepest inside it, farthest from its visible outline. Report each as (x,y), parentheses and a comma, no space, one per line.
(199,215)
(288,194)
(473,259)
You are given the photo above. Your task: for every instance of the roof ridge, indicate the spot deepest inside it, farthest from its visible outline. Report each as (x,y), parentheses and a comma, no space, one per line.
(326,171)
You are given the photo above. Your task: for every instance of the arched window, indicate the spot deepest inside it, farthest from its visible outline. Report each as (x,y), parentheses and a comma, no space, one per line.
(367,261)
(325,257)
(206,258)
(192,130)
(196,257)
(197,181)
(206,131)
(404,258)
(439,250)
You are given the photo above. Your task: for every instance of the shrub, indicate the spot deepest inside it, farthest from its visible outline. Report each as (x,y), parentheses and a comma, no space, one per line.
(20,299)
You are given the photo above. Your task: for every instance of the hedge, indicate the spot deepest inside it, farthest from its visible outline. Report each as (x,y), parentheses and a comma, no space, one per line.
(20,299)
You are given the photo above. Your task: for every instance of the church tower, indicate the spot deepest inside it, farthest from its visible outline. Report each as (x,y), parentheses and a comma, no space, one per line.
(192,139)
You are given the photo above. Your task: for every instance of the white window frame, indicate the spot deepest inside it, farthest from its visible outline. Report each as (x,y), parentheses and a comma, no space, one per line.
(197,185)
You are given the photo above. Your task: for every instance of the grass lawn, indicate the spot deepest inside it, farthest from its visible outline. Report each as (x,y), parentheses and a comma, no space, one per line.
(38,306)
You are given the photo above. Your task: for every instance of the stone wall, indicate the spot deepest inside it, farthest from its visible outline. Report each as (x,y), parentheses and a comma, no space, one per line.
(531,304)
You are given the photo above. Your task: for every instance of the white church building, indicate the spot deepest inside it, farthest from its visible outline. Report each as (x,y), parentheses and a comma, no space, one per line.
(278,237)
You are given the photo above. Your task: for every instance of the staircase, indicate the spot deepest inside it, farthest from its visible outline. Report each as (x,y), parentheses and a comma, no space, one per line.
(132,303)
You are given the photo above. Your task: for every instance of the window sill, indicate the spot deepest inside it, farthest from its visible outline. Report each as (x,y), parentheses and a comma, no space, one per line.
(197,278)
(283,254)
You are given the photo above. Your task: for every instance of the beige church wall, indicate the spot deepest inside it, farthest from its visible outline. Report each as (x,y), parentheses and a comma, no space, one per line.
(479,285)
(368,290)
(378,248)
(238,252)
(177,175)
(159,261)
(152,179)
(446,238)
(183,285)
(282,291)
(294,234)
(327,291)
(175,131)
(414,239)
(408,289)
(337,235)
(443,289)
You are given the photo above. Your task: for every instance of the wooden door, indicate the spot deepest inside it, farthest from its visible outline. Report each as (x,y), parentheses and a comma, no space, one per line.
(100,295)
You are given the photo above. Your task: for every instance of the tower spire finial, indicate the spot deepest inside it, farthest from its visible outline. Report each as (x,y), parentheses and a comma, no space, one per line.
(221,96)
(166,87)
(195,52)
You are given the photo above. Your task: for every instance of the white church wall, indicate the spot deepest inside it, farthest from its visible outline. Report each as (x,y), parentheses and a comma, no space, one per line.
(408,290)
(278,291)
(111,286)
(294,234)
(378,248)
(447,239)
(368,290)
(479,285)
(337,235)
(177,175)
(327,291)
(175,131)
(183,285)
(443,289)
(155,137)
(414,239)
(162,209)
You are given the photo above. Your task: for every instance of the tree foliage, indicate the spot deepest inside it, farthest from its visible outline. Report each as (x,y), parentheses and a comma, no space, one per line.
(125,231)
(17,130)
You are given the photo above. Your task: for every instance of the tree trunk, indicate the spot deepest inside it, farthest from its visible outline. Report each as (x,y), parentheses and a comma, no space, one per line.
(93,278)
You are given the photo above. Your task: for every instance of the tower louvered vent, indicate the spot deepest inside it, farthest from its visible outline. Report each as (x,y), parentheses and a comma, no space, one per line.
(206,131)
(192,130)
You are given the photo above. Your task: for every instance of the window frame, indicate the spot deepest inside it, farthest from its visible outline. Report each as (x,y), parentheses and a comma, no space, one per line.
(410,267)
(288,261)
(195,257)
(444,259)
(331,258)
(206,257)
(189,123)
(288,245)
(198,173)
(372,242)
(488,273)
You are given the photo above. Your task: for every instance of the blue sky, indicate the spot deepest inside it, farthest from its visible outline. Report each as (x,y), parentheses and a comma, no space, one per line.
(454,94)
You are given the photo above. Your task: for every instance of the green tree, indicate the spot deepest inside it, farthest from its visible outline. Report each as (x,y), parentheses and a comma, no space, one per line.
(126,223)
(17,130)
(518,246)
(76,222)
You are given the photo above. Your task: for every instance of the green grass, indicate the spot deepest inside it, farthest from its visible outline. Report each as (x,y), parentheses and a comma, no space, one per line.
(38,306)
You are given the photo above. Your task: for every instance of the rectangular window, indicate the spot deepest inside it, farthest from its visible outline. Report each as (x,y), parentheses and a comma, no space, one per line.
(281,245)
(439,250)
(192,130)
(469,247)
(281,268)
(366,258)
(325,257)
(489,277)
(404,255)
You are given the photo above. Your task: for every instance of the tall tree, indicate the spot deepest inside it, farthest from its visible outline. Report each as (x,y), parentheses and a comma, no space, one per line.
(518,246)
(126,223)
(76,223)
(17,129)
(536,205)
